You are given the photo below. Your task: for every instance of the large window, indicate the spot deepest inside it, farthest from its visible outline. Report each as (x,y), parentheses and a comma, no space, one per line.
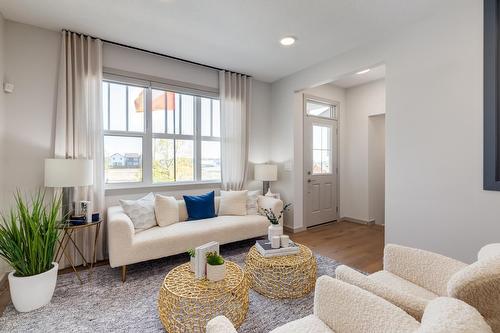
(154,135)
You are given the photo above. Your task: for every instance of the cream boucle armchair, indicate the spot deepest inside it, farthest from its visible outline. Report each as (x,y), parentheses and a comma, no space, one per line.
(412,277)
(343,308)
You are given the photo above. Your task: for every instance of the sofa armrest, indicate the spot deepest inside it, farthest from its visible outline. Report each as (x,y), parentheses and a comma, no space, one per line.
(120,233)
(348,309)
(220,324)
(429,270)
(413,305)
(274,204)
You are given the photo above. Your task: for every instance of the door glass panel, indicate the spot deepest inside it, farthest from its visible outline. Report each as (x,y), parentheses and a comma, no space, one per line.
(322,149)
(184,160)
(158,111)
(163,161)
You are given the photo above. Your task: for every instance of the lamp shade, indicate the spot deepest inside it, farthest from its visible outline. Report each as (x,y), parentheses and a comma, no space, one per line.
(68,173)
(266,172)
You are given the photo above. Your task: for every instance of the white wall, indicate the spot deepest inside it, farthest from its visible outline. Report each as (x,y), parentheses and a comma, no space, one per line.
(376,168)
(3,266)
(32,56)
(434,196)
(362,101)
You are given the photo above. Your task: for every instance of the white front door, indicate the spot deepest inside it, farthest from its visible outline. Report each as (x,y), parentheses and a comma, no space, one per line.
(320,161)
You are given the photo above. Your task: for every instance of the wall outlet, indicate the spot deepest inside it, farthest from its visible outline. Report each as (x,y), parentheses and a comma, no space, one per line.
(8,87)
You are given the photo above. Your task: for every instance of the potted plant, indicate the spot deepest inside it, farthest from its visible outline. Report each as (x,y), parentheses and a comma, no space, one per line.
(216,267)
(275,229)
(28,235)
(192,260)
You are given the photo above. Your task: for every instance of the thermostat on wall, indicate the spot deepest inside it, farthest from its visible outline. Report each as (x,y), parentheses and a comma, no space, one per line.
(8,87)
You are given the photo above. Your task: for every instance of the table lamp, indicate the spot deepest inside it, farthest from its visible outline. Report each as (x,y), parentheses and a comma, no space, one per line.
(68,173)
(266,173)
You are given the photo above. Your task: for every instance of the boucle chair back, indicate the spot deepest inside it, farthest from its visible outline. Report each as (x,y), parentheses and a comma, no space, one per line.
(479,285)
(448,315)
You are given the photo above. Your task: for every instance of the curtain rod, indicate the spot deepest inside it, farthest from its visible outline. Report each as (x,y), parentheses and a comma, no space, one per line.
(155,53)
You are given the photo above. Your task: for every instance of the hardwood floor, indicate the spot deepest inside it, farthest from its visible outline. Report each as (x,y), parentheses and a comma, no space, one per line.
(355,245)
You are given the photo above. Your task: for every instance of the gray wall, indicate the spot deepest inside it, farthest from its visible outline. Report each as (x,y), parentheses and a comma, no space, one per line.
(434,196)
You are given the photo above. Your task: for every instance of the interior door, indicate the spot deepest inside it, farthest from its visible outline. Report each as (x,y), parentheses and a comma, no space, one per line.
(320,162)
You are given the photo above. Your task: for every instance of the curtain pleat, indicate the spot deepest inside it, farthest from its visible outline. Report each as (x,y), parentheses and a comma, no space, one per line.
(235,92)
(79,129)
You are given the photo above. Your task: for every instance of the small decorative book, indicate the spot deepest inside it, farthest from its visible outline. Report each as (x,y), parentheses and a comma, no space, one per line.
(200,267)
(265,249)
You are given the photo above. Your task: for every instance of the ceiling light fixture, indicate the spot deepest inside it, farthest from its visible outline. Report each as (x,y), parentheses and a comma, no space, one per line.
(288,41)
(363,71)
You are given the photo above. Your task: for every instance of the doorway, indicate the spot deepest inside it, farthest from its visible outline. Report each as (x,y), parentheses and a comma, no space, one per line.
(320,160)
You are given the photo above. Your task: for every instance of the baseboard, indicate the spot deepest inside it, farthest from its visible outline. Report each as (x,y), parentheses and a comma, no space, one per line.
(294,230)
(3,281)
(359,221)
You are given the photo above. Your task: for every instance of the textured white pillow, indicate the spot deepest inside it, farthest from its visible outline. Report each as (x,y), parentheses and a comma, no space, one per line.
(141,211)
(233,203)
(252,208)
(166,210)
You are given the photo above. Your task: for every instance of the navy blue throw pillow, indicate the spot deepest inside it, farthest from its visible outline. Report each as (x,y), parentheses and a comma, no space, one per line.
(200,206)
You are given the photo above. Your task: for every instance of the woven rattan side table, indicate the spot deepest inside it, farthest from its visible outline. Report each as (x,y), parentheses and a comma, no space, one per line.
(186,304)
(290,276)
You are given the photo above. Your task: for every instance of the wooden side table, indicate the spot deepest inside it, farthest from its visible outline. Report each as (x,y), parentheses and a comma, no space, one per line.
(68,231)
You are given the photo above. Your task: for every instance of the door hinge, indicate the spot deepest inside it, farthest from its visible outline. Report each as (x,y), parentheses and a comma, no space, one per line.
(337,209)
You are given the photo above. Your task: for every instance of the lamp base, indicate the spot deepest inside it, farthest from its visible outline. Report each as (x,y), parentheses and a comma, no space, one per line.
(269,193)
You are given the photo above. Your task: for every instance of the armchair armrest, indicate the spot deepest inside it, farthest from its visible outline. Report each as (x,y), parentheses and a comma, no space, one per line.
(120,233)
(413,305)
(220,324)
(274,204)
(348,309)
(429,270)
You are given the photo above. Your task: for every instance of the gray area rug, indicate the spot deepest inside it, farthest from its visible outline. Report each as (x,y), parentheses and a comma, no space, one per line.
(107,305)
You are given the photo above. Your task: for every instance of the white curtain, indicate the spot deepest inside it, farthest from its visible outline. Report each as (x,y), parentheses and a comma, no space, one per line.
(235,96)
(79,128)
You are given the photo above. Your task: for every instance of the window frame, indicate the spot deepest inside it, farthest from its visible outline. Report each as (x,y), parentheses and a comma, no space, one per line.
(150,84)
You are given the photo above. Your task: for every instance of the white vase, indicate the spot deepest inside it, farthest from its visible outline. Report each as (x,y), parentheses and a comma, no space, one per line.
(216,272)
(274,230)
(32,292)
(192,262)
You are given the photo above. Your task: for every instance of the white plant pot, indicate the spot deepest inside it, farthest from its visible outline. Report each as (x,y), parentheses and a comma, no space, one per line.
(274,230)
(192,263)
(32,292)
(216,272)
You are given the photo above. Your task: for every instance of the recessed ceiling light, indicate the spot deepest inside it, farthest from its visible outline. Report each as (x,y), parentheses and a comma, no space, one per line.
(288,41)
(363,71)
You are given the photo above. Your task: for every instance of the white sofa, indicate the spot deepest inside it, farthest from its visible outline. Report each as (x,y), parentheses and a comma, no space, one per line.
(343,308)
(128,247)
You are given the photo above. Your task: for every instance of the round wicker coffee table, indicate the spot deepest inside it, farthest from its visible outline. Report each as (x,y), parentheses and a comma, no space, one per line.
(186,304)
(290,276)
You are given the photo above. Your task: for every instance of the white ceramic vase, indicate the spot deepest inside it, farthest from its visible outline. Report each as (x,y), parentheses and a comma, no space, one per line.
(192,262)
(216,272)
(32,292)
(274,230)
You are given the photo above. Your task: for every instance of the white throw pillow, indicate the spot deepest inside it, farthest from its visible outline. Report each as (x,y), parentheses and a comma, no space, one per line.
(141,211)
(233,203)
(252,208)
(166,210)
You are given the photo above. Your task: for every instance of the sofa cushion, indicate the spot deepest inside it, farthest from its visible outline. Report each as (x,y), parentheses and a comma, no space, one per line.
(309,324)
(252,206)
(166,210)
(141,212)
(233,203)
(200,206)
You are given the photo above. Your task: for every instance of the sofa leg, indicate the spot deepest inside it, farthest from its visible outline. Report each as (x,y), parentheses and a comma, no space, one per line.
(124,273)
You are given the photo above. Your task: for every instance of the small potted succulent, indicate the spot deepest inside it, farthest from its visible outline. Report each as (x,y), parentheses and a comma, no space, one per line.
(275,229)
(192,255)
(216,267)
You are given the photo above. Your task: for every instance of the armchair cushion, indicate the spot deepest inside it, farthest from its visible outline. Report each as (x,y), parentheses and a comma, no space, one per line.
(309,324)
(409,302)
(428,270)
(401,285)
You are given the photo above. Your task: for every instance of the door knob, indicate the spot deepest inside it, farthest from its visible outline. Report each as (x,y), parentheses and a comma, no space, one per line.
(308,180)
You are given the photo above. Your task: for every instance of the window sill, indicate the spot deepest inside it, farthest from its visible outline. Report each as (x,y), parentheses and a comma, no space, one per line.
(141,188)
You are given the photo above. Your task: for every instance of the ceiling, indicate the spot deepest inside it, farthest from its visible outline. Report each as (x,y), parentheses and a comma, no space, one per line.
(352,80)
(237,35)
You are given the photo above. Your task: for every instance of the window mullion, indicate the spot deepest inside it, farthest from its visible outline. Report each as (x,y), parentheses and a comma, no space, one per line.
(197,143)
(147,145)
